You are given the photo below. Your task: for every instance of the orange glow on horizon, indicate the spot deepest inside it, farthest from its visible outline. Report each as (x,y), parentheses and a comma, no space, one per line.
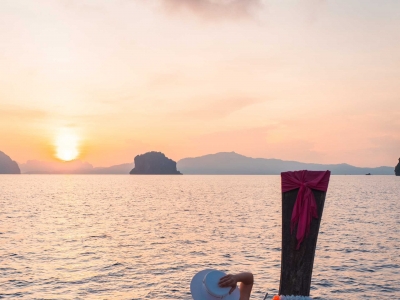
(104,82)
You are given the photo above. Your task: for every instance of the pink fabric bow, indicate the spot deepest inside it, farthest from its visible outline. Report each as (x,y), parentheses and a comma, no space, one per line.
(305,206)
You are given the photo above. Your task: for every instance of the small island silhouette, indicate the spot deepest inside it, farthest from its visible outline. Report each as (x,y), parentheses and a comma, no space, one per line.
(7,165)
(154,163)
(397,169)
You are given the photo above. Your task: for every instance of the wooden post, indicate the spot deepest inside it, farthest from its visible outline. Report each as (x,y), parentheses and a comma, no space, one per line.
(297,265)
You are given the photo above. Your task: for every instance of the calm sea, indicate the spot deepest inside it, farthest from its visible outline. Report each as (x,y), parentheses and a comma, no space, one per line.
(144,237)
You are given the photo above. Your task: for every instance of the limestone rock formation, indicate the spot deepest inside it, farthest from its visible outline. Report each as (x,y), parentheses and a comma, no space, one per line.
(397,169)
(7,165)
(154,163)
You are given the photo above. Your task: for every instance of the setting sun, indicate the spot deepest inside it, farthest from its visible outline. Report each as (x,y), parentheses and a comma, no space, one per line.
(67,145)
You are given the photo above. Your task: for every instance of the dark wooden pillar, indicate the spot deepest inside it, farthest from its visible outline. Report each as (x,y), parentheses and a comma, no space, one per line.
(297,265)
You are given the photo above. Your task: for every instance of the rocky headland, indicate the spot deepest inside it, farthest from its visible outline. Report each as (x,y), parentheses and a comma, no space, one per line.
(7,165)
(154,163)
(397,169)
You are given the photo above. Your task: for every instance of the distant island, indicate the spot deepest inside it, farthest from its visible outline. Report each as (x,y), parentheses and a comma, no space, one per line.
(222,163)
(7,165)
(154,163)
(397,169)
(231,163)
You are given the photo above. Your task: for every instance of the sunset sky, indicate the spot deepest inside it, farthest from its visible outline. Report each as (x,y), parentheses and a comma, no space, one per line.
(105,80)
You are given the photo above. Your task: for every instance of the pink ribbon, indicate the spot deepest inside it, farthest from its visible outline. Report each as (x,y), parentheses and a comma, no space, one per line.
(305,207)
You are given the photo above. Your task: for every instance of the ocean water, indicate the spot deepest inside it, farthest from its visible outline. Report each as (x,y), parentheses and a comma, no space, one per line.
(144,237)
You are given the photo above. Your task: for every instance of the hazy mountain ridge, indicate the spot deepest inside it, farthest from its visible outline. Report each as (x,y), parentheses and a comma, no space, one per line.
(72,167)
(225,163)
(222,163)
(116,169)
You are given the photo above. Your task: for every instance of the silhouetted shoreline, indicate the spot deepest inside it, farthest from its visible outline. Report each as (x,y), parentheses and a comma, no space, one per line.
(223,163)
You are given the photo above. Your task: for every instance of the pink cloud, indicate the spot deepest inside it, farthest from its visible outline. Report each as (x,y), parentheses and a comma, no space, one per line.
(216,109)
(214,9)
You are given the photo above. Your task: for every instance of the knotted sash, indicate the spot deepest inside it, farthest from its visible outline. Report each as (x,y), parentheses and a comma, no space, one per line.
(305,207)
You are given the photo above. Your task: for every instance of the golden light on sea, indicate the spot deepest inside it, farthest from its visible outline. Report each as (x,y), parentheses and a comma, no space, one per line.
(67,144)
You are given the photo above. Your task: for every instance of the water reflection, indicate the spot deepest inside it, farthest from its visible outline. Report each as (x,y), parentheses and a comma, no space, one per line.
(143,237)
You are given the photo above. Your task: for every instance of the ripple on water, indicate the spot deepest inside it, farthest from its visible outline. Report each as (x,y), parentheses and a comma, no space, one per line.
(144,237)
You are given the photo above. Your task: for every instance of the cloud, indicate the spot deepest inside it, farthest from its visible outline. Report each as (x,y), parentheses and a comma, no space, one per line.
(256,142)
(214,9)
(207,9)
(168,79)
(17,112)
(312,9)
(253,142)
(216,109)
(82,5)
